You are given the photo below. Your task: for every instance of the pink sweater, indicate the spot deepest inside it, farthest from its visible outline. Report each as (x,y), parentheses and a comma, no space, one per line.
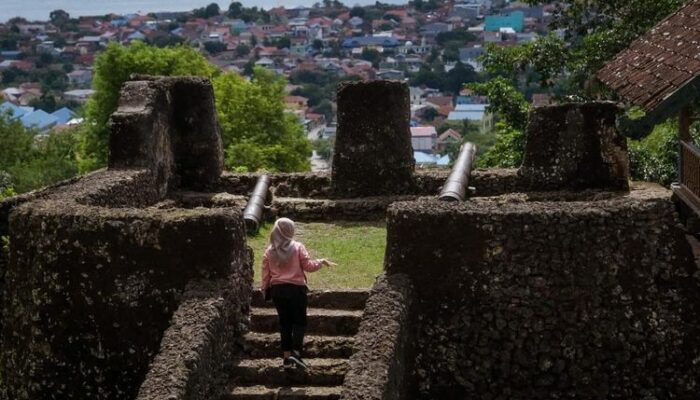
(290,272)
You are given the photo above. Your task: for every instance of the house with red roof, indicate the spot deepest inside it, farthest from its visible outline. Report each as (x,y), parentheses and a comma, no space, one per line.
(659,75)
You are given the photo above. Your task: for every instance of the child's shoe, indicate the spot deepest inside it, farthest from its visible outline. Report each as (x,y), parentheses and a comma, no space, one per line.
(297,356)
(297,361)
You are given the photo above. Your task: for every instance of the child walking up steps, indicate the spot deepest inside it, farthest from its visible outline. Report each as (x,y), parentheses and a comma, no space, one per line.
(284,268)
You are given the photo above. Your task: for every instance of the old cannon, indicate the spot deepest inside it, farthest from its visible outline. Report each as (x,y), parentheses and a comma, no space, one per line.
(456,186)
(253,213)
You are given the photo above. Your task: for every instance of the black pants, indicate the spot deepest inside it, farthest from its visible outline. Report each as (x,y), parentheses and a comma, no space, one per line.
(290,302)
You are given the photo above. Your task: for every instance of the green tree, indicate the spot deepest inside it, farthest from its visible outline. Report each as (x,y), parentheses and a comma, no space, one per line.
(212,10)
(357,11)
(283,42)
(427,77)
(462,36)
(15,143)
(256,132)
(457,77)
(242,50)
(430,114)
(47,103)
(372,56)
(112,68)
(596,31)
(163,39)
(59,18)
(655,158)
(235,10)
(52,160)
(214,48)
(325,107)
(28,163)
(511,107)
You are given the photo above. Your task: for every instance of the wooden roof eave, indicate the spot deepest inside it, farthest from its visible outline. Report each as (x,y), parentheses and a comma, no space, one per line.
(639,128)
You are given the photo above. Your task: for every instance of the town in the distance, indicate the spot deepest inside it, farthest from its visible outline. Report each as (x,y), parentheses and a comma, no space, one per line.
(435,46)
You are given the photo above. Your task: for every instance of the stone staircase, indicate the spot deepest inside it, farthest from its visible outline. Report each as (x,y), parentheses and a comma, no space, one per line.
(333,320)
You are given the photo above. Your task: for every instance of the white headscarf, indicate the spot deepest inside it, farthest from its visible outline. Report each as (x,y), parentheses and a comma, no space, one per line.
(281,240)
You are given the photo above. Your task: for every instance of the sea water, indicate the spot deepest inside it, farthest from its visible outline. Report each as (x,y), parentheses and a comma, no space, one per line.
(40,9)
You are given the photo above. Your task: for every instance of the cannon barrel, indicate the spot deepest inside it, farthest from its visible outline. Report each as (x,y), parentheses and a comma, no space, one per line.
(253,213)
(455,188)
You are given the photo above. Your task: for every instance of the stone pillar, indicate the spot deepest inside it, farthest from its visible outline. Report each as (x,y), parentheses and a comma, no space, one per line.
(373,152)
(199,156)
(168,125)
(575,146)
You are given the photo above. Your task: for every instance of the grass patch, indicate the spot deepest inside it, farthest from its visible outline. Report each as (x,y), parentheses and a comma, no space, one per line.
(358,248)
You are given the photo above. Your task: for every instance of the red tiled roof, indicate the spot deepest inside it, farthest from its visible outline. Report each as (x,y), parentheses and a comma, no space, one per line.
(657,64)
(440,100)
(450,133)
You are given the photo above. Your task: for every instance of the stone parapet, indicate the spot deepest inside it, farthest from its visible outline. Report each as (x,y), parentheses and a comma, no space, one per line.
(556,295)
(575,146)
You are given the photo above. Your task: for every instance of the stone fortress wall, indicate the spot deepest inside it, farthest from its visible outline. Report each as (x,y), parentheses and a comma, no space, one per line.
(556,280)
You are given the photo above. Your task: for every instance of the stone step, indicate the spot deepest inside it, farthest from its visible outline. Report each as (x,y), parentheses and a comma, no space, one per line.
(264,345)
(346,299)
(319,321)
(269,372)
(285,393)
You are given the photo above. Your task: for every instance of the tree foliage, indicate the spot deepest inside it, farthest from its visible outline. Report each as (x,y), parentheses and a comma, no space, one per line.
(596,30)
(548,56)
(29,162)
(256,132)
(458,35)
(511,107)
(655,158)
(112,68)
(505,101)
(252,14)
(435,77)
(214,47)
(211,10)
(424,5)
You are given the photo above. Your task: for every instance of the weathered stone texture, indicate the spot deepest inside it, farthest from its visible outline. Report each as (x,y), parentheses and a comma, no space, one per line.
(317,185)
(361,209)
(89,291)
(373,152)
(383,345)
(575,146)
(169,126)
(200,340)
(99,265)
(544,299)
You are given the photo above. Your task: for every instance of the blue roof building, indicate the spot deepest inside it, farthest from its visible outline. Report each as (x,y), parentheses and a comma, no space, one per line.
(443,161)
(429,159)
(473,112)
(514,20)
(423,158)
(63,115)
(14,111)
(39,119)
